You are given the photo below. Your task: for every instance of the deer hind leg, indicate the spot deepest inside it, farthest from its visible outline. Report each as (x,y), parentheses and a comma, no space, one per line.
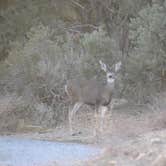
(72,113)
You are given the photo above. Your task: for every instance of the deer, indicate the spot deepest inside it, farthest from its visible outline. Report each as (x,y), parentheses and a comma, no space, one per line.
(92,93)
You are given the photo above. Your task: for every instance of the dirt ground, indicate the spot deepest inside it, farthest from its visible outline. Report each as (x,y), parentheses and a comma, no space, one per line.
(133,135)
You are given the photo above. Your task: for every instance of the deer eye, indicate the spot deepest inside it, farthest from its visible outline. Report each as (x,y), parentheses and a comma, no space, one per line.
(110,76)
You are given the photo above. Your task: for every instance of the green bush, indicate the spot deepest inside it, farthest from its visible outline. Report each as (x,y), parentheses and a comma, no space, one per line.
(147,56)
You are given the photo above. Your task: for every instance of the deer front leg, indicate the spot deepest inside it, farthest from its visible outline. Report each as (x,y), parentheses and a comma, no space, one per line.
(96,121)
(103,111)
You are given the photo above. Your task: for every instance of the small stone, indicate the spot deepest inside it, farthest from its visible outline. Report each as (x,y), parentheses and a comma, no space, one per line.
(156,141)
(140,156)
(112,163)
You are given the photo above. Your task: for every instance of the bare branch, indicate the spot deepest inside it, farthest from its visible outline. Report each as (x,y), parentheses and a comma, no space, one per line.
(77,4)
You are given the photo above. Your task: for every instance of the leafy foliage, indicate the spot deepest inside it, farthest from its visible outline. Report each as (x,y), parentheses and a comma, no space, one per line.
(147,55)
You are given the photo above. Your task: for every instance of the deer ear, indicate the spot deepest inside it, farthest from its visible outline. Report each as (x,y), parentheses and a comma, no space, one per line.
(103,66)
(118,66)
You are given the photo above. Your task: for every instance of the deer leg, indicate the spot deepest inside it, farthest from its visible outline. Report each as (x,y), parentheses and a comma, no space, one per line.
(112,104)
(95,122)
(72,113)
(110,108)
(104,109)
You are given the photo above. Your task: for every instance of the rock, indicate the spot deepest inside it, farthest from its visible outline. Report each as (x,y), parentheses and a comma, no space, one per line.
(156,141)
(112,163)
(160,160)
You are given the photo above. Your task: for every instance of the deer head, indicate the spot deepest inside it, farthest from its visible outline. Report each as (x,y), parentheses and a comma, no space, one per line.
(110,71)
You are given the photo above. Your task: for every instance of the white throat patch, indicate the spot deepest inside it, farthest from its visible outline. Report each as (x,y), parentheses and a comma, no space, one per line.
(110,80)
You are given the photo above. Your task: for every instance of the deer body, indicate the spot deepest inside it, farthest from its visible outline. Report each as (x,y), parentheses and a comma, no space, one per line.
(90,92)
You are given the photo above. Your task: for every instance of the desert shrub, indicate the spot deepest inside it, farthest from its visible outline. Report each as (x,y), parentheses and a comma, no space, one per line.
(33,70)
(19,17)
(147,57)
(98,45)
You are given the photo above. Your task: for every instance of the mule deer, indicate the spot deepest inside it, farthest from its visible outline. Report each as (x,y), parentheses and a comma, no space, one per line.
(92,92)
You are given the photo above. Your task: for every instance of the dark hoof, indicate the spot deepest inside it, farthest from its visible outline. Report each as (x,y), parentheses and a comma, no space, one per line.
(74,134)
(78,133)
